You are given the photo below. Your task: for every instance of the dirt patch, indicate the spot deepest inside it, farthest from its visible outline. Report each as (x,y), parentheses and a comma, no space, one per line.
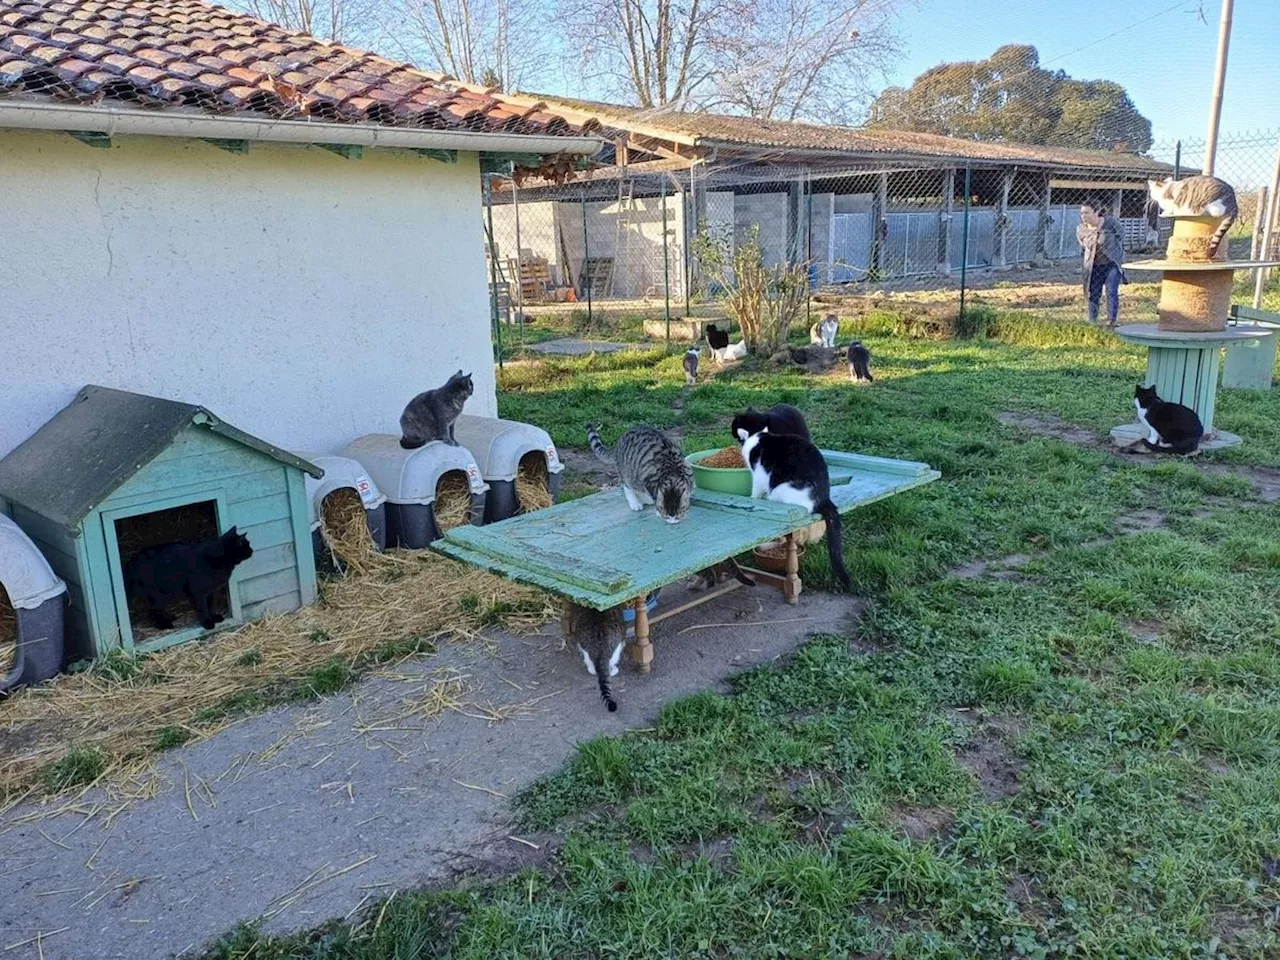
(718,851)
(584,466)
(1047,425)
(1144,630)
(1265,480)
(988,755)
(1230,926)
(1139,521)
(1021,889)
(1006,568)
(924,823)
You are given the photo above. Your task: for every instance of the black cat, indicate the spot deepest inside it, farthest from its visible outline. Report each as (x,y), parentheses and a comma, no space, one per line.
(1171,427)
(717,339)
(164,575)
(780,418)
(790,469)
(859,363)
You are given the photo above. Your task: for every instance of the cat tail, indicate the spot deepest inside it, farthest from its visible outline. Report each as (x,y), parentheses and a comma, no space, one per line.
(835,548)
(602,675)
(408,444)
(1220,233)
(597,445)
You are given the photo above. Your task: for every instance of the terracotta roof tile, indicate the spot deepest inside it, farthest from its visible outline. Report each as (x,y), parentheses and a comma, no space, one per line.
(188,53)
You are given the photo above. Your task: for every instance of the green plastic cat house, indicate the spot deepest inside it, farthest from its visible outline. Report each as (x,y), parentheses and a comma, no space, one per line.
(115,472)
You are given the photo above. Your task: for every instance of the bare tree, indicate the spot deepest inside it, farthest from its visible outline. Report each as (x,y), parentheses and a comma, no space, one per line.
(813,59)
(337,20)
(654,52)
(776,59)
(492,42)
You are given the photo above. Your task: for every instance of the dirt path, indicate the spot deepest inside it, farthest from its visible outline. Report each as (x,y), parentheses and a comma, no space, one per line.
(307,813)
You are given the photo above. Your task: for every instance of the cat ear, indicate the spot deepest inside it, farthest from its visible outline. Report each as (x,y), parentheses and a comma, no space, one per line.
(764,429)
(742,434)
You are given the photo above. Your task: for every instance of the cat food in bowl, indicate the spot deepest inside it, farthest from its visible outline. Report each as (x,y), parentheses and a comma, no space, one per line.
(772,556)
(721,470)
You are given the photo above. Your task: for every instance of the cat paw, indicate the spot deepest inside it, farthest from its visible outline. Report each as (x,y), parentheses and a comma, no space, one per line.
(209,624)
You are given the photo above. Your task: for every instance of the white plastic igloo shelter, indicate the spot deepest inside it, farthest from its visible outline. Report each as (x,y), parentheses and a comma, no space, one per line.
(408,479)
(499,447)
(343,473)
(38,597)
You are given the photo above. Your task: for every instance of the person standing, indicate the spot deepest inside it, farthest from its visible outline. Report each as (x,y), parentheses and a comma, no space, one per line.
(1102,243)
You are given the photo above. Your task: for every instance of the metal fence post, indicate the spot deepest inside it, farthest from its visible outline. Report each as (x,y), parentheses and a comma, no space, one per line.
(666,262)
(515,202)
(584,273)
(964,243)
(493,267)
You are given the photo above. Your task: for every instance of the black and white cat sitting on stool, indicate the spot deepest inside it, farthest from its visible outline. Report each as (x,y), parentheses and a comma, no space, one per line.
(1171,427)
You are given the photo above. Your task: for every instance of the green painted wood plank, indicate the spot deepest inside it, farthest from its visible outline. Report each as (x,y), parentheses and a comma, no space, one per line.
(257,590)
(265,535)
(304,553)
(160,478)
(266,561)
(253,484)
(255,510)
(103,625)
(282,603)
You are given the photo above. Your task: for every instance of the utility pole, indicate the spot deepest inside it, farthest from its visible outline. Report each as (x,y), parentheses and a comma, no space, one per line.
(1219,81)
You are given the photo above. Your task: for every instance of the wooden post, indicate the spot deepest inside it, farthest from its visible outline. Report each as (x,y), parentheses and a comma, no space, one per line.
(879,215)
(1269,213)
(1259,223)
(1219,82)
(945,215)
(1117,203)
(1042,235)
(791,586)
(1002,220)
(640,650)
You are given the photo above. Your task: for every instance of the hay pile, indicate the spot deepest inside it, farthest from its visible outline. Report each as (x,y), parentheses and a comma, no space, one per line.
(124,708)
(8,634)
(344,526)
(453,501)
(728,458)
(533,483)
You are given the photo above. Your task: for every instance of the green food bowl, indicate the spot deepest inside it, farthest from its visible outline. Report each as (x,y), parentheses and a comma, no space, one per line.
(735,480)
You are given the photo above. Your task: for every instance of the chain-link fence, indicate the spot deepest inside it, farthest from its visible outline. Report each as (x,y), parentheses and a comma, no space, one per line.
(620,241)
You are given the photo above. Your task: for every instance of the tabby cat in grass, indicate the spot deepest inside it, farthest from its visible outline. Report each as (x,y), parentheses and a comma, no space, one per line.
(165,575)
(431,414)
(598,634)
(652,470)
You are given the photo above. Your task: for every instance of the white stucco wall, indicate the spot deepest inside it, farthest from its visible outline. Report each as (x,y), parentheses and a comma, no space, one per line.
(301,296)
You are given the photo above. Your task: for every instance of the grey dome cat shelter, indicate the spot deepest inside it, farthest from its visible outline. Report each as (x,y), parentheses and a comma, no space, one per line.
(33,620)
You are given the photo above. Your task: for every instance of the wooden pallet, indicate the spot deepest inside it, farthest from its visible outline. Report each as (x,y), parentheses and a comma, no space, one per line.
(598,272)
(534,275)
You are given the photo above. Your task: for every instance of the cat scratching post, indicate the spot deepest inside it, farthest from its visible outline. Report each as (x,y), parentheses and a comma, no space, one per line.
(1184,346)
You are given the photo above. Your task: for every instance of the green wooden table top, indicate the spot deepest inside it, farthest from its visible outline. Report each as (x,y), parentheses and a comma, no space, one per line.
(599,553)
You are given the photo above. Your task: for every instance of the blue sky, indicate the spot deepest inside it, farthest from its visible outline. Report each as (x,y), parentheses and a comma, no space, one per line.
(1166,63)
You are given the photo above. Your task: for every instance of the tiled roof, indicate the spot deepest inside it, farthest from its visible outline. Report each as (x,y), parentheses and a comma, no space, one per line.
(185,53)
(716,129)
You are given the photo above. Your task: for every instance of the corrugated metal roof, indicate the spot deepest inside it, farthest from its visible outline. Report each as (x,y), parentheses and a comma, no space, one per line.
(716,129)
(100,440)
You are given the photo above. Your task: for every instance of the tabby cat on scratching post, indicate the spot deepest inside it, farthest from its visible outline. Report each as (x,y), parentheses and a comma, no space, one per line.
(1197,197)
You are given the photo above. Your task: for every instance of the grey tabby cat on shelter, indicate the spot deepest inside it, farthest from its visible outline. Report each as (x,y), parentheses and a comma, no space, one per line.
(1197,196)
(652,469)
(430,415)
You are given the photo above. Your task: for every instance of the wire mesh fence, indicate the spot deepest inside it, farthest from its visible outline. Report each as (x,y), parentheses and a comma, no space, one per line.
(617,239)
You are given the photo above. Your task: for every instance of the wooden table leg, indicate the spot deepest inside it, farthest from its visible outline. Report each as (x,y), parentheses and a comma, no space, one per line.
(792,586)
(640,650)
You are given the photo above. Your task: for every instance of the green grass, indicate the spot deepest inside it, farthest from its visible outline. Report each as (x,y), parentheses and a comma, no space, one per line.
(79,766)
(1080,757)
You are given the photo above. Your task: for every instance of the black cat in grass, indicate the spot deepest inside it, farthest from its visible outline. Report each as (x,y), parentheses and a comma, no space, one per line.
(165,575)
